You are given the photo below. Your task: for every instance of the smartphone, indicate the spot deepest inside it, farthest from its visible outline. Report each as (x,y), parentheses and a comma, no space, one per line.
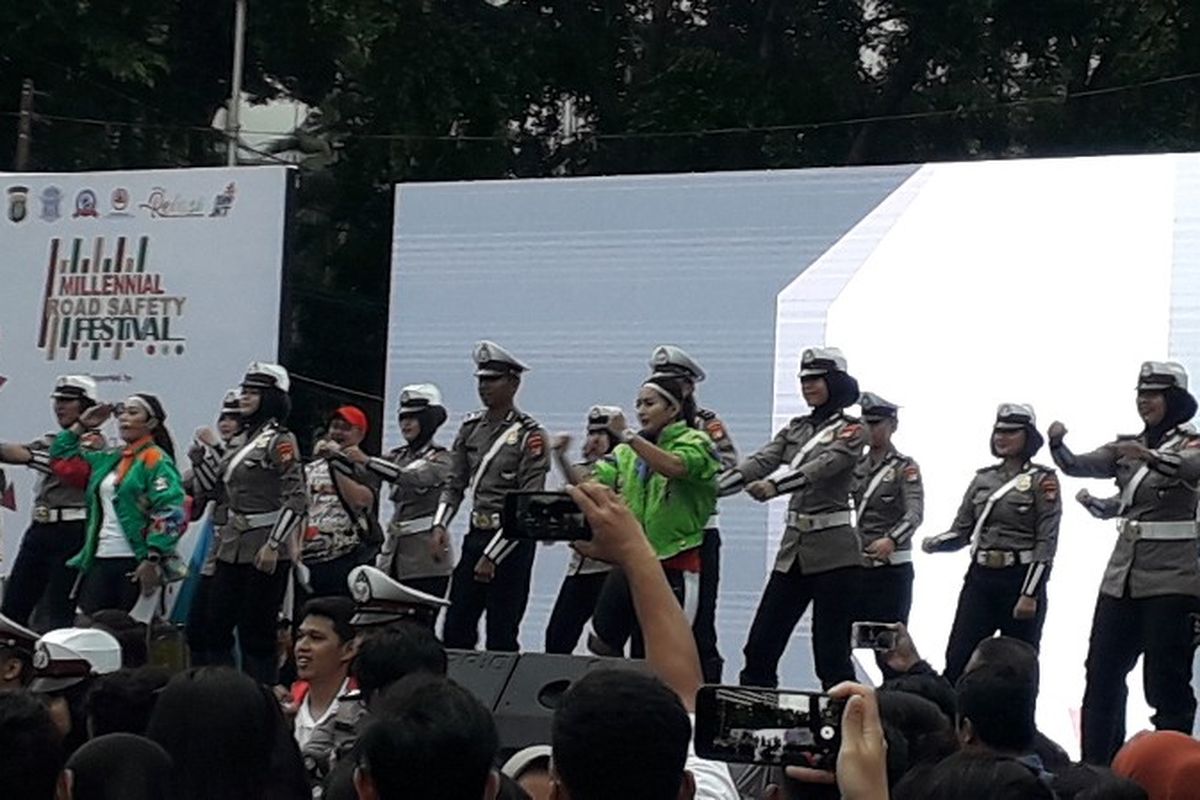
(878,636)
(775,727)
(543,517)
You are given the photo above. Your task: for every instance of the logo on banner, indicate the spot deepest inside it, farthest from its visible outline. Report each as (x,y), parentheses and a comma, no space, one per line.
(18,203)
(120,202)
(85,204)
(51,203)
(224,201)
(162,205)
(104,300)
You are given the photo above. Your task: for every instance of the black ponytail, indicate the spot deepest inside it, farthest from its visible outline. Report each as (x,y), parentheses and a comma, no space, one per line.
(160,434)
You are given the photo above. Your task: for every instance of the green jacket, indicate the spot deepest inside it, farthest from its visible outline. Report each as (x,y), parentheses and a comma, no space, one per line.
(149,500)
(673,511)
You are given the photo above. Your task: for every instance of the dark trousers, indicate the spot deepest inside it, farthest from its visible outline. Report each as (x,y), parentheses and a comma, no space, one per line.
(40,574)
(885,594)
(199,626)
(787,596)
(435,585)
(985,607)
(614,621)
(108,584)
(248,599)
(1122,629)
(504,598)
(330,578)
(705,626)
(572,609)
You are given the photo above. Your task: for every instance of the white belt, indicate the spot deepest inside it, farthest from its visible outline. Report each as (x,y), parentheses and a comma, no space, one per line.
(44,514)
(713,522)
(1158,531)
(404,527)
(818,522)
(999,559)
(261,520)
(898,557)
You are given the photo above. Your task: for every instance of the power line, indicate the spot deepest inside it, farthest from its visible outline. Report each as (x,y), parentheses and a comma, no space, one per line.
(334,387)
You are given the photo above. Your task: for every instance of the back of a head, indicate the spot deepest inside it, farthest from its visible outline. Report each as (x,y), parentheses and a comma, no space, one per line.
(1005,651)
(916,731)
(219,727)
(126,630)
(1000,704)
(430,738)
(30,751)
(120,766)
(1164,763)
(619,733)
(391,654)
(1089,782)
(974,774)
(122,701)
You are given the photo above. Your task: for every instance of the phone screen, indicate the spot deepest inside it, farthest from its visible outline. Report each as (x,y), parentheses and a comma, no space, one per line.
(544,517)
(878,636)
(768,726)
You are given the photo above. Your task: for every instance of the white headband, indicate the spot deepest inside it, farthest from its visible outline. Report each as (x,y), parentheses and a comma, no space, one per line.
(138,402)
(670,398)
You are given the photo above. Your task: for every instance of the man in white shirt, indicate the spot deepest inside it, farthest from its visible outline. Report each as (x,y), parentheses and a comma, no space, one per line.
(324,649)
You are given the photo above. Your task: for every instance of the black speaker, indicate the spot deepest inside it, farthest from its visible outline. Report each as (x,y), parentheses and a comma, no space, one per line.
(481,673)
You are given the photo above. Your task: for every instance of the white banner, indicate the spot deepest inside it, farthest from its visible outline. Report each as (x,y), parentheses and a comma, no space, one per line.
(165,281)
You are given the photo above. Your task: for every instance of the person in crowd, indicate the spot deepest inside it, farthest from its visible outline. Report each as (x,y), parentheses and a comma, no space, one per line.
(665,472)
(1150,591)
(433,738)
(31,751)
(890,499)
(135,503)
(418,471)
(262,483)
(67,662)
(16,654)
(1164,763)
(324,649)
(529,768)
(976,774)
(126,630)
(996,706)
(905,671)
(342,531)
(122,701)
(118,766)
(820,558)
(381,602)
(585,576)
(227,739)
(1090,782)
(1009,516)
(194,610)
(671,360)
(497,450)
(40,573)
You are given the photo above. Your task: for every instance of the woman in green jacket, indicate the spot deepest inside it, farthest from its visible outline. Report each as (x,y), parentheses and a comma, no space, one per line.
(666,473)
(135,503)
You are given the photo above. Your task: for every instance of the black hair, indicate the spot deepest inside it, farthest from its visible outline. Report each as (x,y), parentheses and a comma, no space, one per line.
(1007,651)
(128,632)
(916,731)
(1181,407)
(162,436)
(22,655)
(431,738)
(122,701)
(338,610)
(1089,782)
(619,733)
(216,716)
(430,418)
(75,697)
(120,766)
(674,384)
(273,404)
(401,649)
(31,754)
(1000,701)
(977,775)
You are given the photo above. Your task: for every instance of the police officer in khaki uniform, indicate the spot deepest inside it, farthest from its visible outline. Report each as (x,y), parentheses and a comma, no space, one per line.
(418,471)
(40,575)
(820,558)
(890,500)
(263,484)
(671,360)
(1151,587)
(1009,515)
(498,449)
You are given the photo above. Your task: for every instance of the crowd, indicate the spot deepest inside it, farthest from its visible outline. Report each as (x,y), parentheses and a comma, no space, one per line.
(316,671)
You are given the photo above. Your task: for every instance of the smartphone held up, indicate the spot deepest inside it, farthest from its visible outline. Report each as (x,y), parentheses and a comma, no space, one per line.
(543,517)
(768,726)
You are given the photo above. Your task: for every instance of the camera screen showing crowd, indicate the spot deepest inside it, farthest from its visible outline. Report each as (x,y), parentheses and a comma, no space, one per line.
(312,608)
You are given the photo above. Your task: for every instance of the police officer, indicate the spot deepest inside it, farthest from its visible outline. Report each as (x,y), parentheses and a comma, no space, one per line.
(890,500)
(1009,515)
(585,576)
(820,558)
(1151,587)
(381,600)
(418,471)
(40,574)
(262,482)
(16,654)
(497,450)
(673,360)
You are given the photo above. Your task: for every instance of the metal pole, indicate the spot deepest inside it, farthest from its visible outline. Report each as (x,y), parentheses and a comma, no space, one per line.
(232,126)
(24,126)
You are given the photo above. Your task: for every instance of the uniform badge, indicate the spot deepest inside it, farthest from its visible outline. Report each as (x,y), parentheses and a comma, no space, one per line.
(285,451)
(41,657)
(912,473)
(535,444)
(889,475)
(850,431)
(1049,486)
(715,430)
(512,438)
(1024,483)
(361,590)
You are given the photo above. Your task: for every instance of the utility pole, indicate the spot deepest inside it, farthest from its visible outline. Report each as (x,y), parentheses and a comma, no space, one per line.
(232,125)
(24,126)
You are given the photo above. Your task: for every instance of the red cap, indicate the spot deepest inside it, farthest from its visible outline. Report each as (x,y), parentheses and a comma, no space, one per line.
(353,415)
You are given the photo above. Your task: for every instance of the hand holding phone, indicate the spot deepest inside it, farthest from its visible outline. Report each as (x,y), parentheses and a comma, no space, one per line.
(878,636)
(543,517)
(768,726)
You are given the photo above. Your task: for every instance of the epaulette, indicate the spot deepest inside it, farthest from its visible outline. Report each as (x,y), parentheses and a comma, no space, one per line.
(528,423)
(474,416)
(989,468)
(705,414)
